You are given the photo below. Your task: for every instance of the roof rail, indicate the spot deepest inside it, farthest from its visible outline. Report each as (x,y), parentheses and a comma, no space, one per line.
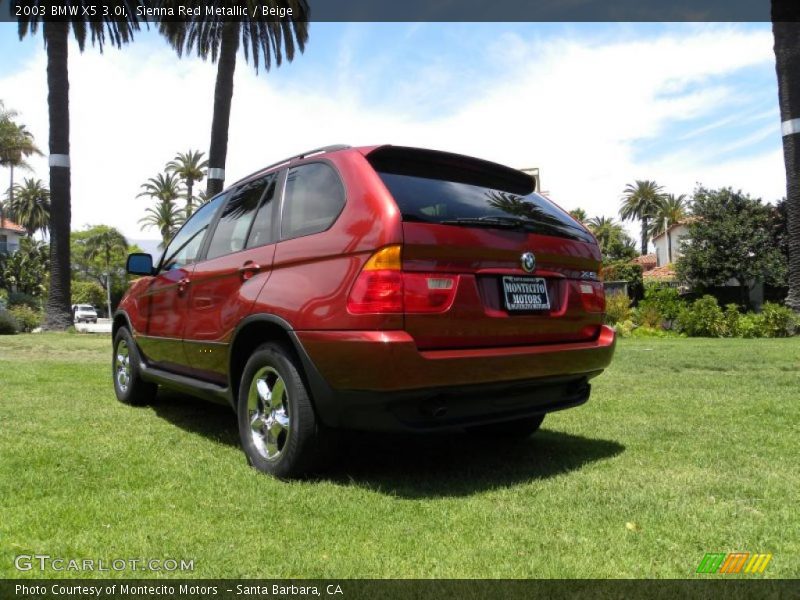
(323,150)
(306,154)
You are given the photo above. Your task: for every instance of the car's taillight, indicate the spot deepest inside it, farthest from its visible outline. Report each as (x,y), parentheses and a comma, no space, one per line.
(382,287)
(592,295)
(379,287)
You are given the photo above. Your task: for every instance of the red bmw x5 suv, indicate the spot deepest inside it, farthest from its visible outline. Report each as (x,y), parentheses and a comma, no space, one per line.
(383,288)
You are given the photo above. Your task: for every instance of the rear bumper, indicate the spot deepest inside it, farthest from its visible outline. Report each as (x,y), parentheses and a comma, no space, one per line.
(380,380)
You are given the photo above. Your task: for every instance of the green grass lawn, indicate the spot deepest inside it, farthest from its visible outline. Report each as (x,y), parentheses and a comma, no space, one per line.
(687,446)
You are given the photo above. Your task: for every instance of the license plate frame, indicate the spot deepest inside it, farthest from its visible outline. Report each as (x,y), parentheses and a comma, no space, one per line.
(525,294)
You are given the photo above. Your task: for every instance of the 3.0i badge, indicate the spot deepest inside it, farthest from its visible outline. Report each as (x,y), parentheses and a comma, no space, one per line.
(528,261)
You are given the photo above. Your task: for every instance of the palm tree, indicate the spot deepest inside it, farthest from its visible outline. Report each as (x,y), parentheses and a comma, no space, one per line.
(117,29)
(670,210)
(16,144)
(190,167)
(102,243)
(614,242)
(219,38)
(579,215)
(165,215)
(30,205)
(786,31)
(164,186)
(202,198)
(638,204)
(604,229)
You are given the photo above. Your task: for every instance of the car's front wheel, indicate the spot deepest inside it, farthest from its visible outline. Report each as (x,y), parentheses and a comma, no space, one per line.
(279,431)
(128,383)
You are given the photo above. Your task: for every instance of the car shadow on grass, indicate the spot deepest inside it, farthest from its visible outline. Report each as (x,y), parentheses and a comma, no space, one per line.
(425,466)
(417,466)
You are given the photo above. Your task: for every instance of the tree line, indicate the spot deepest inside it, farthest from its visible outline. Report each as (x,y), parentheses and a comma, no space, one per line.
(731,236)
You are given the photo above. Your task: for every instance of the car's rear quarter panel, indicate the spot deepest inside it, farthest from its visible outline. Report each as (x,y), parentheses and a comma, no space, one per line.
(312,275)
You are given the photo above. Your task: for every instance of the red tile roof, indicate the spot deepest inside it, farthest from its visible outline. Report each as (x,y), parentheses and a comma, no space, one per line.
(663,273)
(648,261)
(11,226)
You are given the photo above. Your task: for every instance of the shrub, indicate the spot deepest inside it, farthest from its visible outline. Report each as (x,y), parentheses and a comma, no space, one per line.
(8,324)
(775,320)
(618,308)
(665,299)
(703,318)
(27,318)
(625,328)
(648,315)
(732,321)
(747,326)
(3,298)
(22,299)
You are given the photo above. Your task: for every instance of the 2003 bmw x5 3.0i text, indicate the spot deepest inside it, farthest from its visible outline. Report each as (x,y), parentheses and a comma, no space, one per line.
(382,288)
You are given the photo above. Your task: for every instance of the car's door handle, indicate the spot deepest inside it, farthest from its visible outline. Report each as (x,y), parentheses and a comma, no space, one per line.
(182,285)
(248,269)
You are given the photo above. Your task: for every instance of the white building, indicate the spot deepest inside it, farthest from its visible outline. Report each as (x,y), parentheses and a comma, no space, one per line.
(10,235)
(667,244)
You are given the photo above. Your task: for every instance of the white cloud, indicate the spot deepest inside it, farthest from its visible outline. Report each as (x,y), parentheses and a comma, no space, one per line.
(578,109)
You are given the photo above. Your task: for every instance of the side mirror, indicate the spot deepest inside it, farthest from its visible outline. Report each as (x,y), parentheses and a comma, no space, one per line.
(139,264)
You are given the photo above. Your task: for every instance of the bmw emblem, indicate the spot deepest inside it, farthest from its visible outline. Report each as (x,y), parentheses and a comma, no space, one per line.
(528,261)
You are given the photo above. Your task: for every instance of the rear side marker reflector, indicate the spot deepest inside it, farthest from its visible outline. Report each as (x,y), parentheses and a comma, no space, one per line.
(440,283)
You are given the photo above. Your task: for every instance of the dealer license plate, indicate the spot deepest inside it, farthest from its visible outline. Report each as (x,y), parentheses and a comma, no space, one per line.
(525,293)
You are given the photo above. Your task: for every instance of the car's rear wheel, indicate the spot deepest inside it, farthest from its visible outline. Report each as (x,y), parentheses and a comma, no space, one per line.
(128,383)
(279,431)
(517,429)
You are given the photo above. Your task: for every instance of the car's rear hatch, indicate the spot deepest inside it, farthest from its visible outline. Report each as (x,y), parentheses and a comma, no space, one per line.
(476,220)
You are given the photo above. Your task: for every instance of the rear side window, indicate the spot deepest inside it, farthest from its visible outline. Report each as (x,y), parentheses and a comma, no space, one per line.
(436,187)
(313,200)
(234,222)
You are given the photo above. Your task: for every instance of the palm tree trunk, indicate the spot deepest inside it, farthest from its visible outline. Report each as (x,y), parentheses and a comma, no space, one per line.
(189,186)
(223,94)
(58,315)
(787,64)
(644,235)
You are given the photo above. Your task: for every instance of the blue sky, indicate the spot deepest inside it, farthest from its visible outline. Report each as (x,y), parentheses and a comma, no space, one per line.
(594,106)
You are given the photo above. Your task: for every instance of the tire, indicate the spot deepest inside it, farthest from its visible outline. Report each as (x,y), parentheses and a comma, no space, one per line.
(517,429)
(128,383)
(279,431)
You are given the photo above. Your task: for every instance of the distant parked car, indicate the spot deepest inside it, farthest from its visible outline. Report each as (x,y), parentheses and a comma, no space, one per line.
(382,288)
(84,313)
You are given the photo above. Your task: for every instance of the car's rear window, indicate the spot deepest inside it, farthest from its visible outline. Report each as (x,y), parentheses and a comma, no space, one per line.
(437,187)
